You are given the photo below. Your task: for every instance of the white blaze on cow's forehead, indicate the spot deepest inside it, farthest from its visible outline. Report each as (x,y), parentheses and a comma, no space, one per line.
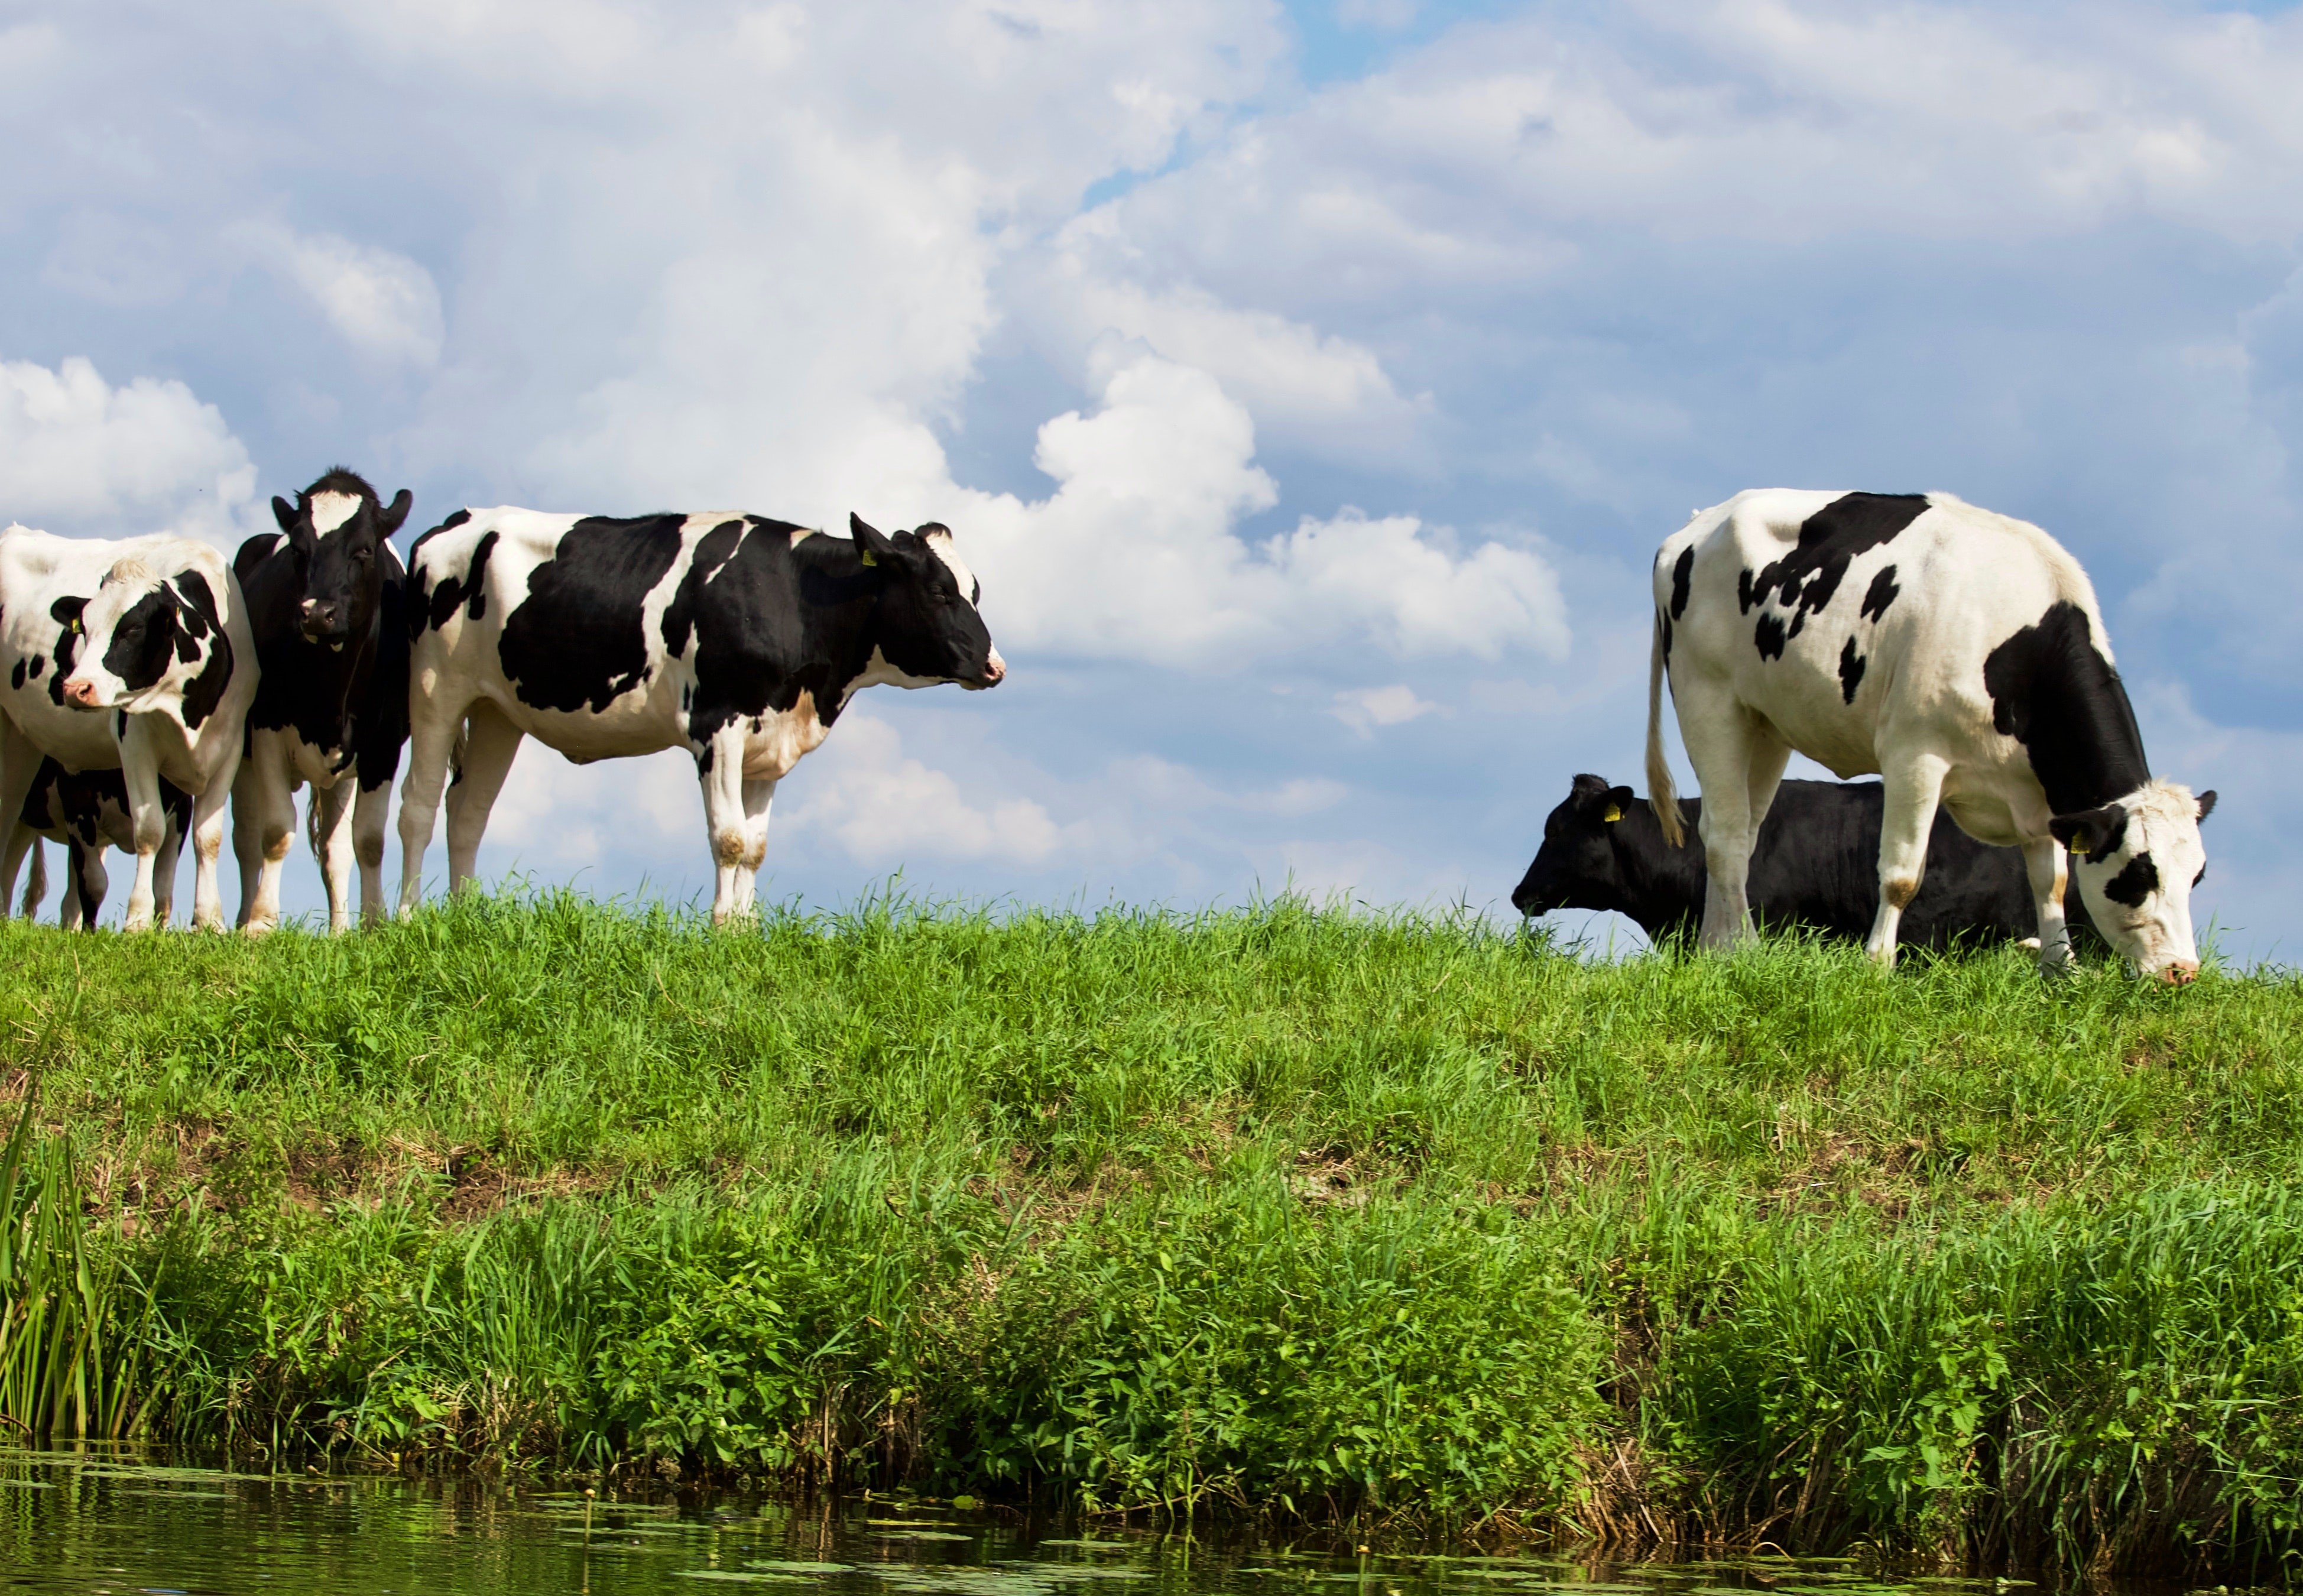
(940,542)
(330,510)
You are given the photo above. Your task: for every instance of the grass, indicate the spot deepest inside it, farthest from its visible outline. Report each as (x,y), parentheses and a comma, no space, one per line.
(1275,1209)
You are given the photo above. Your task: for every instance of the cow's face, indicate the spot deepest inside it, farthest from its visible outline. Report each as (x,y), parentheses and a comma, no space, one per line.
(142,637)
(2135,863)
(1576,866)
(336,532)
(928,627)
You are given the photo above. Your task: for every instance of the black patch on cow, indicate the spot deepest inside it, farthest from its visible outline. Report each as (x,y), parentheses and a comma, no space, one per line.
(65,613)
(752,622)
(1851,670)
(578,641)
(1804,580)
(1770,637)
(1665,623)
(469,590)
(2053,691)
(380,717)
(2135,884)
(1882,592)
(144,641)
(450,525)
(40,663)
(704,761)
(1680,568)
(712,552)
(16,675)
(1743,590)
(204,691)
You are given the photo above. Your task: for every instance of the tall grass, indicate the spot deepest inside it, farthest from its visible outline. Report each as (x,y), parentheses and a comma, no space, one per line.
(1323,1213)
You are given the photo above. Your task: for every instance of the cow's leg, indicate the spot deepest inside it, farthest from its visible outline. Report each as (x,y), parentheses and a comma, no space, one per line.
(246,840)
(1719,737)
(266,790)
(1914,787)
(2042,862)
(433,728)
(208,842)
(84,891)
(164,869)
(757,796)
(331,840)
(140,772)
(22,839)
(490,742)
(370,811)
(20,763)
(720,768)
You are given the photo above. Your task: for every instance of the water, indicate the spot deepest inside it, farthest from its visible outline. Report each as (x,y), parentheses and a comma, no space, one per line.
(107,1522)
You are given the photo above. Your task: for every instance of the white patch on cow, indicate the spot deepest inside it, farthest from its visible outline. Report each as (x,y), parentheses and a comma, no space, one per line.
(799,534)
(330,510)
(879,672)
(942,542)
(781,741)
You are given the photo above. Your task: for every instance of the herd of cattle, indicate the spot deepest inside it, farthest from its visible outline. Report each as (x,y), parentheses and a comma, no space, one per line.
(1959,653)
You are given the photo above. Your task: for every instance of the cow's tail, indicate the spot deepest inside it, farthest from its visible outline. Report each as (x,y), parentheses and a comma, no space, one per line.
(1661,795)
(36,884)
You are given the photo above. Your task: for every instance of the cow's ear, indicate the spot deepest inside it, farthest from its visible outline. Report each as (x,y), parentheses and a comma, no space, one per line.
(872,544)
(284,513)
(2090,831)
(1621,801)
(389,518)
(2207,803)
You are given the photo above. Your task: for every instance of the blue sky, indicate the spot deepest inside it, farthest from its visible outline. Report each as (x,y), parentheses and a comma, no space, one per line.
(1309,384)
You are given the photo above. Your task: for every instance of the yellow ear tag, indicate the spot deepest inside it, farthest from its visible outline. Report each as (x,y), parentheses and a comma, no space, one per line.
(2079,845)
(1614,813)
(868,556)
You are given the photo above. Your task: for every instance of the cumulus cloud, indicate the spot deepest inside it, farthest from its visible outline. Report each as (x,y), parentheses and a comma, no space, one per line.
(379,301)
(1364,709)
(81,456)
(883,807)
(1136,556)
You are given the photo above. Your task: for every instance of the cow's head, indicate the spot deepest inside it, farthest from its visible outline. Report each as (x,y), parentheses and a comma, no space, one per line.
(928,628)
(145,638)
(1576,867)
(2136,860)
(336,531)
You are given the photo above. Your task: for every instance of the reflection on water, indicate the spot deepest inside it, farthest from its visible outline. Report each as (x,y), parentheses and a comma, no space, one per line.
(104,1521)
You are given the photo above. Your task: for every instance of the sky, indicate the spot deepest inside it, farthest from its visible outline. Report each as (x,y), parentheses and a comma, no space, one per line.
(1309,384)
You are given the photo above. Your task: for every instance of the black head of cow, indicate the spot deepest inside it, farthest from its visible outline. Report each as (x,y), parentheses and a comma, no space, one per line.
(336,531)
(2135,861)
(927,627)
(146,639)
(1577,866)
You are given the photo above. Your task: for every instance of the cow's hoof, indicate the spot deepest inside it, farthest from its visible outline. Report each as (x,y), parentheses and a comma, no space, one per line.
(253,928)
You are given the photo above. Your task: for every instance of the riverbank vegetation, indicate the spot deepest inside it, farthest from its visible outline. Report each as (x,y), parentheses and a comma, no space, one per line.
(1282,1210)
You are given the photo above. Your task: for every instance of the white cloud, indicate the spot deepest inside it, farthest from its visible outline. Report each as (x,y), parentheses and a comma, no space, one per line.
(1388,16)
(1363,709)
(382,303)
(883,807)
(1135,555)
(80,456)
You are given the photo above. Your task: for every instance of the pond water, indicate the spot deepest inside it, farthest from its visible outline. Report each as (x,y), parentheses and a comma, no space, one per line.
(110,1523)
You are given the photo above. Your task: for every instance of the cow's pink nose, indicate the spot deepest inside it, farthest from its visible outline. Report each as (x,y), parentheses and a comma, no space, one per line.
(82,693)
(2181,972)
(995,669)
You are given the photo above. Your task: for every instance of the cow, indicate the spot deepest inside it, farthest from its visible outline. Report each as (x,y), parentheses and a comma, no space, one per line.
(1815,865)
(132,654)
(88,813)
(737,638)
(328,606)
(1958,654)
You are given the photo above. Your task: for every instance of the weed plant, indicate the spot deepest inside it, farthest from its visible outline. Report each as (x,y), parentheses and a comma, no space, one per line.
(1322,1212)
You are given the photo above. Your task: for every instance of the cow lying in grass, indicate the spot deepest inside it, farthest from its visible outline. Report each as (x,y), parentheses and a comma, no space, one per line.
(1815,865)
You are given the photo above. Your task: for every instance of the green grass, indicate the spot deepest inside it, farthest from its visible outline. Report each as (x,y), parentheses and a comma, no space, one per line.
(1269,1208)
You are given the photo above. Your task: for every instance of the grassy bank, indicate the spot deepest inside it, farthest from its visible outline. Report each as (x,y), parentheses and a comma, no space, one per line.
(1272,1208)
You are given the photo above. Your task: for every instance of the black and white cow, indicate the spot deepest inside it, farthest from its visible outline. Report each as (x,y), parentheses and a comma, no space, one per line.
(1959,653)
(1815,865)
(132,654)
(737,638)
(87,813)
(327,605)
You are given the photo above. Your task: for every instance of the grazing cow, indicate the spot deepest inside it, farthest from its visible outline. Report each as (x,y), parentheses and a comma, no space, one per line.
(1816,864)
(1959,653)
(88,813)
(132,654)
(737,638)
(327,605)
